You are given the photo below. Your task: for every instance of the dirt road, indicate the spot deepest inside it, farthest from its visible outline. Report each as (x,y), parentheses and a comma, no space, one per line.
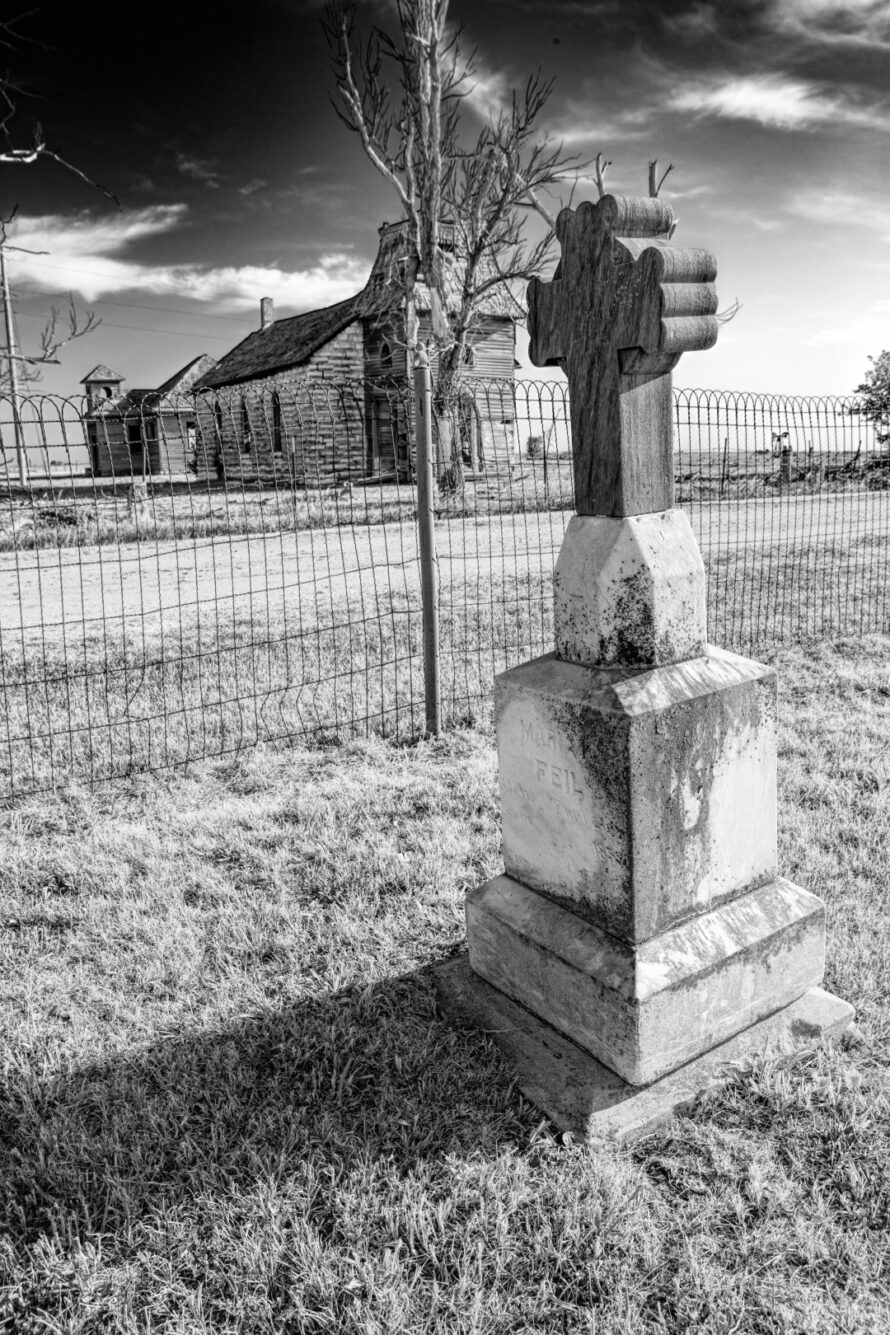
(140,587)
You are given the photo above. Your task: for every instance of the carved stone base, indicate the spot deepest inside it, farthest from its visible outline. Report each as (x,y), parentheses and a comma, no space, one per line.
(629,592)
(584,1097)
(644,1010)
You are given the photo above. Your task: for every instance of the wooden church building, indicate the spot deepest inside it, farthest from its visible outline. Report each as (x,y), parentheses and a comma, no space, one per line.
(323,396)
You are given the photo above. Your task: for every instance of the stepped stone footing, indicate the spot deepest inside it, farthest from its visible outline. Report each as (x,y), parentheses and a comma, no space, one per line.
(645,1010)
(638,798)
(584,1097)
(629,591)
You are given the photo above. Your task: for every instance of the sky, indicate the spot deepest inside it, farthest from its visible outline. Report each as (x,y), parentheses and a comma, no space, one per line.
(236,180)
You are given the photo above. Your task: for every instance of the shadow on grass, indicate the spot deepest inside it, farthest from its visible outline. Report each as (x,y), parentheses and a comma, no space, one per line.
(321,1089)
(337,1164)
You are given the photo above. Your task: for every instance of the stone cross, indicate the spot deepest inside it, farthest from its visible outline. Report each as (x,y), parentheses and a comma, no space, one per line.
(624,304)
(641,939)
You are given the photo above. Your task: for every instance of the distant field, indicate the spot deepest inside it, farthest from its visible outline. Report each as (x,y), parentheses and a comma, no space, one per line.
(88,516)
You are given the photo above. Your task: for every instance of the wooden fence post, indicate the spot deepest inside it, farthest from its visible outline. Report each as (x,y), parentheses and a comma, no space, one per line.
(429,578)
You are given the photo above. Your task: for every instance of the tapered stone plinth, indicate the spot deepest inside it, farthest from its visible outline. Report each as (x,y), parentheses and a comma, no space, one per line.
(629,591)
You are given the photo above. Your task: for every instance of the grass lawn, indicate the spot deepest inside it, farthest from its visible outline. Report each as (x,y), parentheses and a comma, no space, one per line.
(228,1104)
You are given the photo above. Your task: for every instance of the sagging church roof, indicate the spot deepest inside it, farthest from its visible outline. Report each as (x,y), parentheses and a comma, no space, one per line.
(283,343)
(290,342)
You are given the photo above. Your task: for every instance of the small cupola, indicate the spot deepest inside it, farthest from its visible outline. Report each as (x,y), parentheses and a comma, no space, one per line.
(101,383)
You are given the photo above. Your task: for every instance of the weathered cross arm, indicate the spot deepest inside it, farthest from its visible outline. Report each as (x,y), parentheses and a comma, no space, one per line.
(623,306)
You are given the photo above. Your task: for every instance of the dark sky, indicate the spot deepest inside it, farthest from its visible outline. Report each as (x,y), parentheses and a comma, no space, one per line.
(213,126)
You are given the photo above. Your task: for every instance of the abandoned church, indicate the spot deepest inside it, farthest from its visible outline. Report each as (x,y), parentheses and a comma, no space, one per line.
(312,399)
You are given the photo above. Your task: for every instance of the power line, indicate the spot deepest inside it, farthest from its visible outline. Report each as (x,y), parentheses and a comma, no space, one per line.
(142,329)
(93,273)
(134,305)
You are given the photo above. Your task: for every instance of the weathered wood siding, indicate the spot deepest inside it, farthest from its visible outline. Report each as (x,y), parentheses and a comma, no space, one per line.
(304,426)
(495,353)
(129,446)
(493,360)
(346,413)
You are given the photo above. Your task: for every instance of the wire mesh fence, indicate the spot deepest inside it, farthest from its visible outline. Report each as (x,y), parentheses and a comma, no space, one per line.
(189,577)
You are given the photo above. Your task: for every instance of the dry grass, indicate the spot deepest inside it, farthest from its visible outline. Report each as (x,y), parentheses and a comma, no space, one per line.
(107,517)
(229,1106)
(509,486)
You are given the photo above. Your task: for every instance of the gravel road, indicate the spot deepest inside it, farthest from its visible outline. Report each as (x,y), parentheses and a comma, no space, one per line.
(54,594)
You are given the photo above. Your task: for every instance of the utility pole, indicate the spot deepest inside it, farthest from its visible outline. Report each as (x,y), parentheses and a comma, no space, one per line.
(12,358)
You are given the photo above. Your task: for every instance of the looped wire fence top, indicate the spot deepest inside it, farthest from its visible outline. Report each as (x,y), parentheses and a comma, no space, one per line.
(188,576)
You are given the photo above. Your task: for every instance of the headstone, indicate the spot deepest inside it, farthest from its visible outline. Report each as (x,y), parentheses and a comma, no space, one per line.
(641,915)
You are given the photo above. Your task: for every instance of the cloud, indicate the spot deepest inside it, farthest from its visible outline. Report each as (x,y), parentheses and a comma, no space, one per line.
(841,210)
(828,22)
(81,234)
(143,184)
(585,123)
(488,91)
(199,169)
(88,257)
(699,22)
(252,186)
(775,101)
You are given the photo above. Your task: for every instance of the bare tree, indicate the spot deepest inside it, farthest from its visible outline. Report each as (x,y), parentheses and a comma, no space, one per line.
(22,367)
(462,198)
(53,337)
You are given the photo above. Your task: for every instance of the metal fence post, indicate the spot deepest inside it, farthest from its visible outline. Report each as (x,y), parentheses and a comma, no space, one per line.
(429,580)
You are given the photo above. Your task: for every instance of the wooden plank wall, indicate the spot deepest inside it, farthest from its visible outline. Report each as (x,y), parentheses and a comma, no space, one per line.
(323,434)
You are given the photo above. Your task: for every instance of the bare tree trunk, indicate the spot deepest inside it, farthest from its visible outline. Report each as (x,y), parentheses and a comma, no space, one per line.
(449,462)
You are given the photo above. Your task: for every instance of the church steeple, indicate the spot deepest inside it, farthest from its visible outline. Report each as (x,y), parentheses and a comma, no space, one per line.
(102,383)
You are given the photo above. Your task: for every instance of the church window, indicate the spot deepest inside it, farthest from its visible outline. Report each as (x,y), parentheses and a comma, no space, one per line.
(277,433)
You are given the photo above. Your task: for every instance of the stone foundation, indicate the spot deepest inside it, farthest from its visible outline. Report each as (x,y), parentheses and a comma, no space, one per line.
(582,1096)
(645,1010)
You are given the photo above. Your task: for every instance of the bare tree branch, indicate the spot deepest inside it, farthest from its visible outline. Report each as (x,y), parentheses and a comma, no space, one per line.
(655,183)
(463,203)
(729,313)
(600,167)
(12,154)
(52,339)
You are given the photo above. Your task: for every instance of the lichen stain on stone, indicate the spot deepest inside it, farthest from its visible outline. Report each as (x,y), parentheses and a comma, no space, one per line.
(632,640)
(630,592)
(694,738)
(598,741)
